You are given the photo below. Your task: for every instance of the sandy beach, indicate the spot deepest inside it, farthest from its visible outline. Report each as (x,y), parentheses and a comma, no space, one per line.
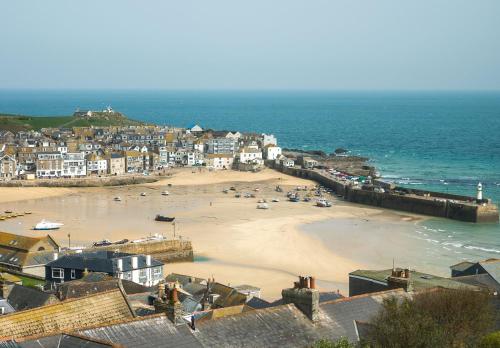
(233,241)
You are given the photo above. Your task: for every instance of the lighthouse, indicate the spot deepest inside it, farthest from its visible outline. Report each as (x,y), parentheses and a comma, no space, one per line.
(479,192)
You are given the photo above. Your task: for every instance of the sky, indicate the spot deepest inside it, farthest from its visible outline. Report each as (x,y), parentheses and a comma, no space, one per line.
(257,44)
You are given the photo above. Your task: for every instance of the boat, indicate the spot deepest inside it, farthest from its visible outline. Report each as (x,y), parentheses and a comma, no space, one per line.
(256,189)
(143,194)
(237,195)
(279,189)
(225,190)
(276,200)
(47,225)
(262,200)
(8,212)
(232,188)
(165,193)
(27,212)
(164,218)
(307,199)
(323,203)
(294,198)
(262,206)
(117,199)
(104,242)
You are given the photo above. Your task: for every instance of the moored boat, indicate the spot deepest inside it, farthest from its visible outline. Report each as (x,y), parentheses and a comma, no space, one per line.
(165,193)
(164,218)
(143,194)
(117,199)
(262,206)
(47,225)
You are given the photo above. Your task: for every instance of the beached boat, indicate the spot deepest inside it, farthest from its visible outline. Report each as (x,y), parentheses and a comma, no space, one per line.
(47,225)
(117,199)
(27,212)
(262,206)
(143,194)
(165,193)
(323,203)
(294,198)
(225,191)
(307,199)
(232,188)
(104,242)
(262,200)
(276,200)
(8,212)
(164,218)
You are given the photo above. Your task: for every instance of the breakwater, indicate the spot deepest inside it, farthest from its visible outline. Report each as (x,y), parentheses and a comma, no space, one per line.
(82,182)
(456,207)
(167,251)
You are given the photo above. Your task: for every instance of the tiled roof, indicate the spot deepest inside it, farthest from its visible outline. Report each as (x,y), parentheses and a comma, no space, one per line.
(23,297)
(65,340)
(16,241)
(152,331)
(99,309)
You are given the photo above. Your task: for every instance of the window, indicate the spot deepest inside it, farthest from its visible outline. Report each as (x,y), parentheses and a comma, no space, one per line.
(57,273)
(73,274)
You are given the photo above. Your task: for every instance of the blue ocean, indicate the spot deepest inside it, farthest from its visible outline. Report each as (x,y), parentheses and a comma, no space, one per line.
(447,141)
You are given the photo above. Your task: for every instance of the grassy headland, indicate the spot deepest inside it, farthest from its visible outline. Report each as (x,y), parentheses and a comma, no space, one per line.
(16,123)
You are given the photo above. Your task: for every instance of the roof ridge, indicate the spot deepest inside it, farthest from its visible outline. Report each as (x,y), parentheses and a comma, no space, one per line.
(370,294)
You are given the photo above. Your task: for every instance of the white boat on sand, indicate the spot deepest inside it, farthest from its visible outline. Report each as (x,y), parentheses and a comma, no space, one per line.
(47,225)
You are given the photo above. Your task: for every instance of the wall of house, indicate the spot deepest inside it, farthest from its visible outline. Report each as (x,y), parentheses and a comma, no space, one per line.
(358,286)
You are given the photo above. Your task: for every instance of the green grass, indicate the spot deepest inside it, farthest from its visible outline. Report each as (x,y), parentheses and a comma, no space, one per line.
(30,282)
(17,123)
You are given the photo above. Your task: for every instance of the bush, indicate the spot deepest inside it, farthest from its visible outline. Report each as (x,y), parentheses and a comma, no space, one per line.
(325,343)
(436,318)
(490,341)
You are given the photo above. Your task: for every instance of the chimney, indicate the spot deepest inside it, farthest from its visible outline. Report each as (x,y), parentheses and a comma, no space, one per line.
(134,262)
(119,265)
(174,308)
(400,279)
(304,298)
(161,290)
(148,260)
(55,256)
(312,282)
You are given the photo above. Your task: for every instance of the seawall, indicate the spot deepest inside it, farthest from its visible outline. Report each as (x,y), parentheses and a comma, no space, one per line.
(429,203)
(81,182)
(167,251)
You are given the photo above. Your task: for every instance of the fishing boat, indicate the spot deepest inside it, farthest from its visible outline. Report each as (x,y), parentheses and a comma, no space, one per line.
(164,218)
(27,212)
(165,193)
(262,206)
(232,188)
(294,198)
(225,190)
(276,200)
(47,225)
(143,194)
(8,212)
(117,199)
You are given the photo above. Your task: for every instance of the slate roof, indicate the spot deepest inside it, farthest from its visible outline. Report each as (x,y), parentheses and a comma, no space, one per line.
(183,279)
(483,280)
(258,303)
(19,242)
(492,266)
(287,326)
(7,308)
(75,314)
(23,297)
(64,340)
(102,261)
(152,331)
(420,280)
(228,295)
(94,283)
(462,266)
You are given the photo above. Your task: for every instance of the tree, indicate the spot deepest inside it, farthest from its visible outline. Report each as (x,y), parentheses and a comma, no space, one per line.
(490,341)
(434,318)
(326,343)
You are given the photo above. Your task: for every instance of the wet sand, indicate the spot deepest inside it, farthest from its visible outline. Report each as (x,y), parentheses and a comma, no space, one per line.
(233,241)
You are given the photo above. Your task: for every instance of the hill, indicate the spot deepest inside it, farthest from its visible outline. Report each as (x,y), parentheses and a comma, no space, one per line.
(17,123)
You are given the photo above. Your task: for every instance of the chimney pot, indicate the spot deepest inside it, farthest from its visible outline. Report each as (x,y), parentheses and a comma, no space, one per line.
(312,282)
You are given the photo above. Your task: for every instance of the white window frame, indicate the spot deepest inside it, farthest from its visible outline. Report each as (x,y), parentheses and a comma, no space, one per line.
(61,275)
(73,274)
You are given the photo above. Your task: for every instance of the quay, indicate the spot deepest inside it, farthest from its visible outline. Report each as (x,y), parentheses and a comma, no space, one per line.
(386,195)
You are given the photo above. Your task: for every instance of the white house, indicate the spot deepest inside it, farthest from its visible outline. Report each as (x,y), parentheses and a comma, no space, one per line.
(285,161)
(49,165)
(235,135)
(269,139)
(195,129)
(250,155)
(220,161)
(96,164)
(74,164)
(272,152)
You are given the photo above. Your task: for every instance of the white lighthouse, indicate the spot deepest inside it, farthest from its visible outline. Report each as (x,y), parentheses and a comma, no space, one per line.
(479,192)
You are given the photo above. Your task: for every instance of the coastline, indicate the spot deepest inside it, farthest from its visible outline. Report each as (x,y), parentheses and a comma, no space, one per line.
(234,241)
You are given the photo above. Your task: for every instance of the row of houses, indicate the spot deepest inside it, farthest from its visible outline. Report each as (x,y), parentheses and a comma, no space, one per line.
(84,151)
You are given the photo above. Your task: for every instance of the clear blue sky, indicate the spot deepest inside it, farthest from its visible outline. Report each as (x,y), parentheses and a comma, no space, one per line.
(257,44)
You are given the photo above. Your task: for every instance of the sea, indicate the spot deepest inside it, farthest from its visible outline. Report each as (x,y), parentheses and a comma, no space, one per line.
(438,140)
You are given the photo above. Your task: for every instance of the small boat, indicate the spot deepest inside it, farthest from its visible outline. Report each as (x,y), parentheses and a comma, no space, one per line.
(121,241)
(225,190)
(323,203)
(262,206)
(169,185)
(232,188)
(164,218)
(2,218)
(47,225)
(8,212)
(143,194)
(165,193)
(276,200)
(117,199)
(256,189)
(27,212)
(237,195)
(247,195)
(307,199)
(104,242)
(294,199)
(262,200)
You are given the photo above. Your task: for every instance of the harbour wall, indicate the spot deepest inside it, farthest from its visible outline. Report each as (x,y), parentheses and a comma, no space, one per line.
(167,251)
(437,204)
(81,182)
